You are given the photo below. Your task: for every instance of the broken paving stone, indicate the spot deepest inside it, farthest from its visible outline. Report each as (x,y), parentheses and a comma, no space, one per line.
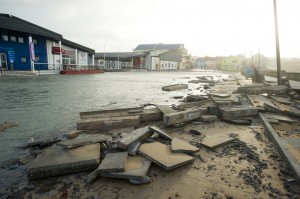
(182,116)
(68,144)
(27,158)
(162,155)
(279,117)
(175,87)
(133,148)
(108,123)
(113,162)
(212,142)
(72,134)
(208,118)
(115,132)
(221,95)
(282,100)
(160,132)
(59,161)
(43,143)
(238,111)
(237,121)
(136,168)
(165,109)
(181,146)
(137,135)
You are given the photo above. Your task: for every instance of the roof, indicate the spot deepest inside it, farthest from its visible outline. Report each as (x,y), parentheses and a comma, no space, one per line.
(171,56)
(120,55)
(77,46)
(11,22)
(160,46)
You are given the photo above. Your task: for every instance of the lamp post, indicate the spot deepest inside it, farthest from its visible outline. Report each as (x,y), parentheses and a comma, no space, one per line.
(279,80)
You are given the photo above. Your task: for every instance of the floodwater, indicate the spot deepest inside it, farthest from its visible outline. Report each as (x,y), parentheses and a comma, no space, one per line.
(48,105)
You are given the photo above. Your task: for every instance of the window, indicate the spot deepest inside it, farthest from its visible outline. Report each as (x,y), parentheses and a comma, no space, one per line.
(35,41)
(23,59)
(4,37)
(20,39)
(13,39)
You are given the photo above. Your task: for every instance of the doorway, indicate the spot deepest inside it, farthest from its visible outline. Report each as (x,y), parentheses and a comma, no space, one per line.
(3,61)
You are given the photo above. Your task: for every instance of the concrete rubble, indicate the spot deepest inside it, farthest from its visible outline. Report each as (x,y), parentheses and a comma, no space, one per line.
(189,136)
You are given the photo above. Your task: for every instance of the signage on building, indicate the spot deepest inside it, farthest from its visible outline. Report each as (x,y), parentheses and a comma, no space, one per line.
(31,50)
(57,50)
(11,55)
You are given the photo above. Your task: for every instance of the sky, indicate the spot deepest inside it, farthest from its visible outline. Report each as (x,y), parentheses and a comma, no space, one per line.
(205,27)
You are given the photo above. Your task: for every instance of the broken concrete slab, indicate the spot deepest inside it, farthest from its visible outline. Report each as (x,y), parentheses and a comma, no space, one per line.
(108,123)
(237,121)
(136,168)
(214,110)
(136,136)
(214,141)
(68,144)
(110,112)
(26,159)
(160,132)
(208,118)
(43,142)
(133,148)
(195,98)
(182,116)
(279,117)
(162,155)
(59,161)
(221,95)
(113,162)
(72,134)
(175,87)
(165,109)
(238,111)
(180,146)
(260,89)
(282,100)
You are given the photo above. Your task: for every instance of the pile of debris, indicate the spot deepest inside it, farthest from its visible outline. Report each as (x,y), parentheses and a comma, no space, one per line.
(123,143)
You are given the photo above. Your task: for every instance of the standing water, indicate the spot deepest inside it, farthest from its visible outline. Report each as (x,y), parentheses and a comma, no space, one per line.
(49,105)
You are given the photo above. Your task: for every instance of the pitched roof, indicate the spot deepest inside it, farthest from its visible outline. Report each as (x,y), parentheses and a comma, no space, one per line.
(159,46)
(11,22)
(77,46)
(171,56)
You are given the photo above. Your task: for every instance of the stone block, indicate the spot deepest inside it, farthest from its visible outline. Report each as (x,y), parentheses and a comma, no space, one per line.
(113,162)
(133,148)
(59,161)
(208,118)
(212,142)
(162,155)
(108,123)
(72,134)
(238,111)
(175,87)
(182,116)
(137,135)
(136,168)
(180,146)
(68,144)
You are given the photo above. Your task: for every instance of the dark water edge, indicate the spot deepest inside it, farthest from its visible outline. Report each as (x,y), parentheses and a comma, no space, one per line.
(49,105)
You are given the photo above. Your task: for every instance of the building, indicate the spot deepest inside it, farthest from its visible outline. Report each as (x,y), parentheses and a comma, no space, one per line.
(26,46)
(165,56)
(121,60)
(232,63)
(200,63)
(210,63)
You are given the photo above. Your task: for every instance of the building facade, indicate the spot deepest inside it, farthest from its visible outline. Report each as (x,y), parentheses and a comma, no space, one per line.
(26,46)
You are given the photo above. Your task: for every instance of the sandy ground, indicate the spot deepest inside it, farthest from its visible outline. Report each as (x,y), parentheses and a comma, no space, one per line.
(249,167)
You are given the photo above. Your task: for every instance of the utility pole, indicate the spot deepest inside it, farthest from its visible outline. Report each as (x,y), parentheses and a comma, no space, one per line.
(279,80)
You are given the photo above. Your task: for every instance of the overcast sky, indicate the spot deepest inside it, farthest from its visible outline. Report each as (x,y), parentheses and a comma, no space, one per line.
(205,27)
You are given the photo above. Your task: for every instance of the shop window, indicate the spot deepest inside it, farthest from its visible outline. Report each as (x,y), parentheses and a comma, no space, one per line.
(4,37)
(23,59)
(35,41)
(20,39)
(13,39)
